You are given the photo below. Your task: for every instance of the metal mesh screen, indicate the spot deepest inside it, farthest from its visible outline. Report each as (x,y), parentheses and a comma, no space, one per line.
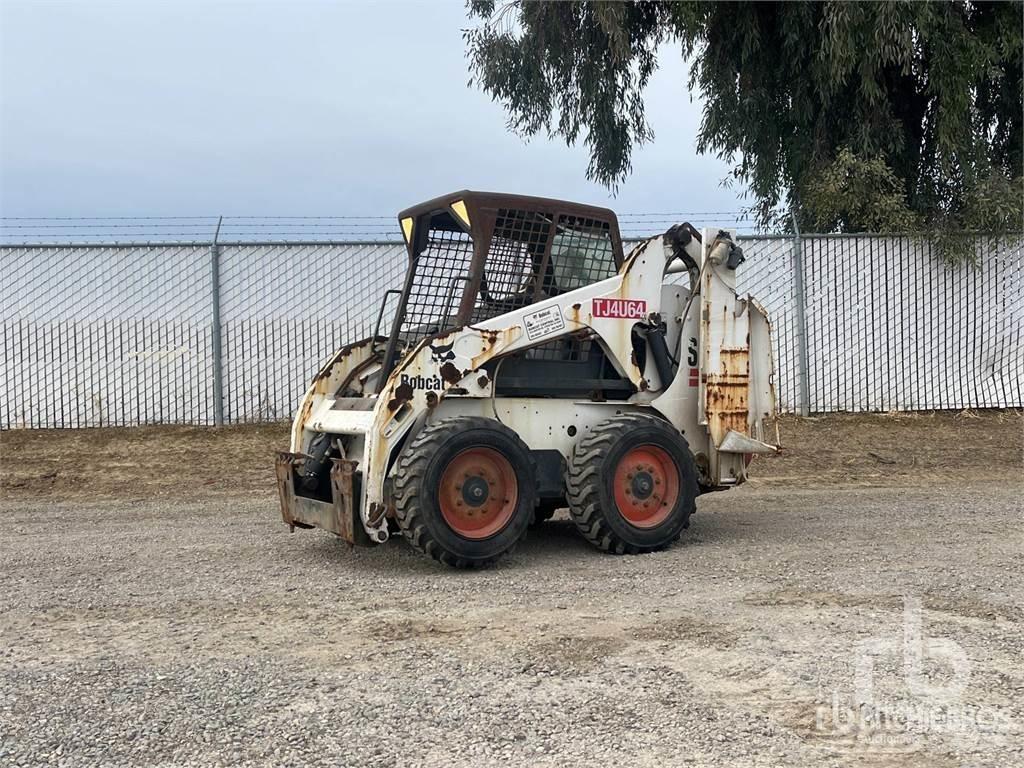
(109,281)
(442,271)
(513,258)
(106,336)
(581,253)
(119,335)
(891,328)
(285,308)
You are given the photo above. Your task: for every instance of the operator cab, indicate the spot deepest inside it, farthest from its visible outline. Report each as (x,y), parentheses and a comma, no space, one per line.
(476,255)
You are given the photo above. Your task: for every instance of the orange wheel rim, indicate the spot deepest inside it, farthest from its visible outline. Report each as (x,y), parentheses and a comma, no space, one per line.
(478,493)
(646,486)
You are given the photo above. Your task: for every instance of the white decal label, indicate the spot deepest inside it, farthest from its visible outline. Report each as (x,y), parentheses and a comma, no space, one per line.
(543,322)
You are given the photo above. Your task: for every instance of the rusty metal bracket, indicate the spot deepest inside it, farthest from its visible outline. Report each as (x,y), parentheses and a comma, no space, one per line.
(340,516)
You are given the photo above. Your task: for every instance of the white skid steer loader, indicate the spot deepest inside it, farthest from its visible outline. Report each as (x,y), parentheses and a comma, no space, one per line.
(532,365)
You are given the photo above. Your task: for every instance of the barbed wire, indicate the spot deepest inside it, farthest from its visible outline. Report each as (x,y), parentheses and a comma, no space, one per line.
(273,217)
(66,230)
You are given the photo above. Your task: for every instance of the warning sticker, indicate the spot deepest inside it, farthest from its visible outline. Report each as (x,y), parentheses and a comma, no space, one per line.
(543,322)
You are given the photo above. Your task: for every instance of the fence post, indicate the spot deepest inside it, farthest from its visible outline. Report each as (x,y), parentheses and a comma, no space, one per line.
(218,362)
(803,390)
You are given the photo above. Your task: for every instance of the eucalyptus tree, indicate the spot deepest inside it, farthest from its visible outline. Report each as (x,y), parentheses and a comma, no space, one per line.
(871,115)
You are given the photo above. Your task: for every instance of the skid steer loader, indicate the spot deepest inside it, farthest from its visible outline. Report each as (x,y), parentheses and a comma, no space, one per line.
(532,365)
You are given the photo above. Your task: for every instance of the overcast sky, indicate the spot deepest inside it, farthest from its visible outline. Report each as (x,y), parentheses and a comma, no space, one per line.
(288,108)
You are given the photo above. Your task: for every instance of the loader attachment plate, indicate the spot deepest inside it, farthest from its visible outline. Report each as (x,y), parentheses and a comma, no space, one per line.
(340,516)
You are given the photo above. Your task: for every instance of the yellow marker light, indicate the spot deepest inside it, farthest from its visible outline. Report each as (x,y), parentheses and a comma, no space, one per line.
(407,228)
(459,208)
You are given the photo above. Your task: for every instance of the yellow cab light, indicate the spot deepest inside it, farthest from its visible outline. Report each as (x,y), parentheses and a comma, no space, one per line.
(407,228)
(459,207)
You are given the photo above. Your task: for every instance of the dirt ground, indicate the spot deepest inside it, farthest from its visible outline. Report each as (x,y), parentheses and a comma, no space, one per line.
(155,611)
(189,462)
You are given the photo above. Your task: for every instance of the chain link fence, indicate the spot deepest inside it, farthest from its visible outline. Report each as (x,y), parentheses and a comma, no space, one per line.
(190,333)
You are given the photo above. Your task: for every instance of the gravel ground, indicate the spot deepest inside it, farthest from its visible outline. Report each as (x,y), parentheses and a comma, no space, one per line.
(177,462)
(200,632)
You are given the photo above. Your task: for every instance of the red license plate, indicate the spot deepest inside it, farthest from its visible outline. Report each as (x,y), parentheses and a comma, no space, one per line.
(626,309)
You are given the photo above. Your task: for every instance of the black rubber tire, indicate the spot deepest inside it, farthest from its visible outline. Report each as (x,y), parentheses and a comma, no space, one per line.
(418,472)
(590,475)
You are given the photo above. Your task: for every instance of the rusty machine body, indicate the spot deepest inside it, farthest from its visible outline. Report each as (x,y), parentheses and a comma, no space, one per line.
(532,365)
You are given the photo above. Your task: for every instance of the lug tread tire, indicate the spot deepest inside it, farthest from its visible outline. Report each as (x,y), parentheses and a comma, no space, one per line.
(586,473)
(410,474)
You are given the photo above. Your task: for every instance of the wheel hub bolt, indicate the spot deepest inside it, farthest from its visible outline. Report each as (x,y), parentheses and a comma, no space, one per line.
(641,485)
(475,491)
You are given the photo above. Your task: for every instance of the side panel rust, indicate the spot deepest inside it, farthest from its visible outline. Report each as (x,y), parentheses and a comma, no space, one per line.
(726,398)
(736,397)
